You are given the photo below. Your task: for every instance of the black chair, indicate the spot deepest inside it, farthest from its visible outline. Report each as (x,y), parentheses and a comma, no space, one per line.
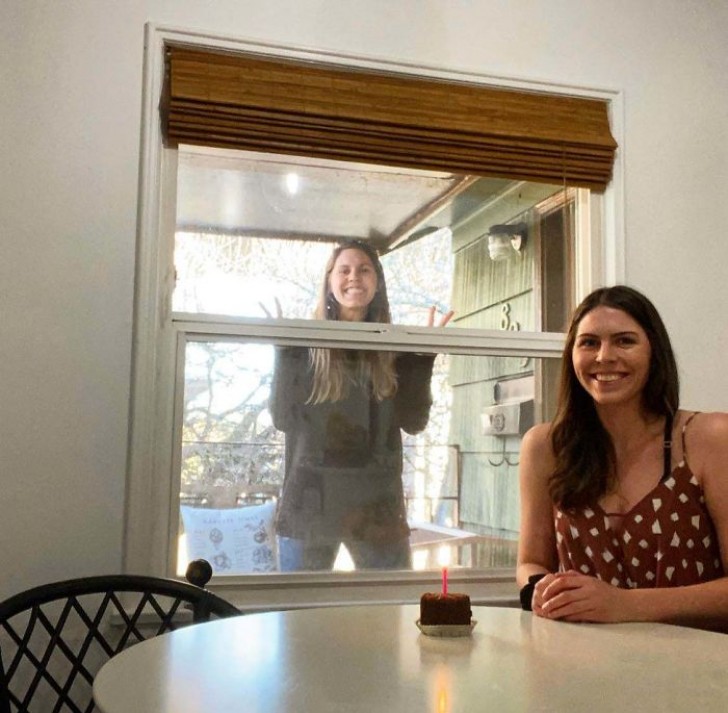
(54,638)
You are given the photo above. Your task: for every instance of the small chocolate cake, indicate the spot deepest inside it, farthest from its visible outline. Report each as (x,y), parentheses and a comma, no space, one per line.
(447,609)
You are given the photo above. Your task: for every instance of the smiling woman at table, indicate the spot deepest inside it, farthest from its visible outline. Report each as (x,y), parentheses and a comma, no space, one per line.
(624,497)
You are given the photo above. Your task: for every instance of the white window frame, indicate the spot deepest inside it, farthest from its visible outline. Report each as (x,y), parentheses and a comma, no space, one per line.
(159,337)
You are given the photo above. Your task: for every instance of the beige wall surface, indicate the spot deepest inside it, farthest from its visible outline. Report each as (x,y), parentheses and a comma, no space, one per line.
(70,122)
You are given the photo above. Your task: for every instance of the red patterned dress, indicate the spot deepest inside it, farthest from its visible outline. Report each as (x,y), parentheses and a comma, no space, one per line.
(666,540)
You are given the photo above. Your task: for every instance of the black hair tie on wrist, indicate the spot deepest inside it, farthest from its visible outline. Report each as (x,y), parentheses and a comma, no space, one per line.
(526,593)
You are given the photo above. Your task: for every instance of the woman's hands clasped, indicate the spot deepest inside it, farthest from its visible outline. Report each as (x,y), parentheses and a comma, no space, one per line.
(572,596)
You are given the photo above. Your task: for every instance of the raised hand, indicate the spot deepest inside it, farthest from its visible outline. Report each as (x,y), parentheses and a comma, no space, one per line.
(279,310)
(446,317)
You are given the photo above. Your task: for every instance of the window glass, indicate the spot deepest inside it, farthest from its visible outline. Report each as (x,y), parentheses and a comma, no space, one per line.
(294,457)
(419,477)
(254,228)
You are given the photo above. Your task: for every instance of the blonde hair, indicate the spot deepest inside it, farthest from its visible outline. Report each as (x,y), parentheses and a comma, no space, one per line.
(337,370)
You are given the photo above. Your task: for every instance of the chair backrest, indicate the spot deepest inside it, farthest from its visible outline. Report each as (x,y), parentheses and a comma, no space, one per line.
(54,638)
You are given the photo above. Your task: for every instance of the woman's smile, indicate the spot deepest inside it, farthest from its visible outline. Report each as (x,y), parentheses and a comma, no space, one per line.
(611,356)
(608,377)
(353,282)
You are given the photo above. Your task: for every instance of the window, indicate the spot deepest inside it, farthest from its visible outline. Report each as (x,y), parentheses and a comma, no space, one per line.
(235,227)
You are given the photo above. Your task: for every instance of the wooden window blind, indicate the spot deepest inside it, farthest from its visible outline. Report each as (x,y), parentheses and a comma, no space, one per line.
(278,105)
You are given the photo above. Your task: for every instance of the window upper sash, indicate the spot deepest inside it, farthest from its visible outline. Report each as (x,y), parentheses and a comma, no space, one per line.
(250,102)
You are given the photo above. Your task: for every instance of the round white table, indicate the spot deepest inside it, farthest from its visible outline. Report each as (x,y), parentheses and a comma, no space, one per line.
(373,658)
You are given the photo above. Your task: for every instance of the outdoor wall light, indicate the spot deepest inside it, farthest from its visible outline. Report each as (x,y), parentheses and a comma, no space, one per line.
(503,239)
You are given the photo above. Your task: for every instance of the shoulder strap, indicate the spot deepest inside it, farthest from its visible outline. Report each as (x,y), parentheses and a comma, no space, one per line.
(682,435)
(667,447)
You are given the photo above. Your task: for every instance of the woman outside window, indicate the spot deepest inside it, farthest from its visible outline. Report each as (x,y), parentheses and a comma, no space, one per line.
(342,411)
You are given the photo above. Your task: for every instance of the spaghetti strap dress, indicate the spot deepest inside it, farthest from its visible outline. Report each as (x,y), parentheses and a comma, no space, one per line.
(666,540)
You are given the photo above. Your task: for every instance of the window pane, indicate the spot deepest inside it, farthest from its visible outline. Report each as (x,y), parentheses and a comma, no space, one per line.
(252,228)
(385,483)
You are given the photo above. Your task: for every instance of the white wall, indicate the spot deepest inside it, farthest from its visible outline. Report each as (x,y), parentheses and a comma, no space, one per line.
(71,74)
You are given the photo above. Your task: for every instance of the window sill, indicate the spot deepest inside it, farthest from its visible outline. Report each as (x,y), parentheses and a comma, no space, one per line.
(258,593)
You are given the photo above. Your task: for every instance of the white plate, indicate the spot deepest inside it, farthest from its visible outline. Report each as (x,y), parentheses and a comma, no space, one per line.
(447,629)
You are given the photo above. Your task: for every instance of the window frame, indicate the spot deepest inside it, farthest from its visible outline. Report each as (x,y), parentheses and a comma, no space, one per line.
(159,335)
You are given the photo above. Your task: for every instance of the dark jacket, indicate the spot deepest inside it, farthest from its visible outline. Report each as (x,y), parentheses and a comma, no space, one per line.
(343,472)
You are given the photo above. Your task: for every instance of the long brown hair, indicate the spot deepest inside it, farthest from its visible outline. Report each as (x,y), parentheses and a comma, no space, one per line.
(334,370)
(584,453)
